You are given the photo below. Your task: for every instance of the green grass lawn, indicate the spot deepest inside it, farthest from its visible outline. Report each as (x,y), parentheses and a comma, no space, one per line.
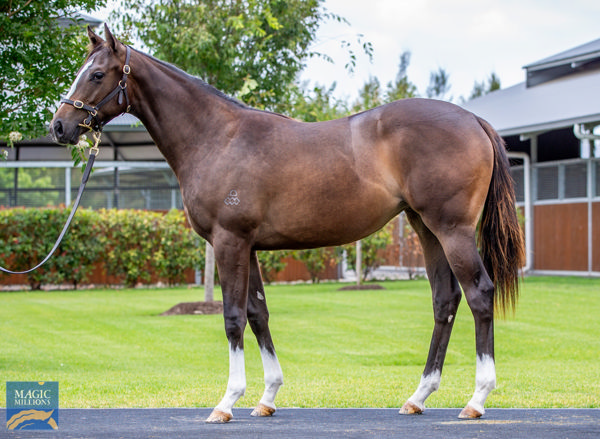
(109,348)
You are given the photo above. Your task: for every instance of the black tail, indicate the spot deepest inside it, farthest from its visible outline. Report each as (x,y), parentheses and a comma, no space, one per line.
(500,237)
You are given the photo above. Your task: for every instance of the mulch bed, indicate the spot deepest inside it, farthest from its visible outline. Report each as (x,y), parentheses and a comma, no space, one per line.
(199,308)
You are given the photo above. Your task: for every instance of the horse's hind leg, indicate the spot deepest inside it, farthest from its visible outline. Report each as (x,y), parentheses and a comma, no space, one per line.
(446,297)
(461,251)
(258,317)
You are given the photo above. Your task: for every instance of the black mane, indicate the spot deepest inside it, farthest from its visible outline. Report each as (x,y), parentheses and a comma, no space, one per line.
(198,81)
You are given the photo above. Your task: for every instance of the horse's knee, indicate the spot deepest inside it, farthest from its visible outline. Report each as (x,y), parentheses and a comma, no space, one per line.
(235,323)
(445,304)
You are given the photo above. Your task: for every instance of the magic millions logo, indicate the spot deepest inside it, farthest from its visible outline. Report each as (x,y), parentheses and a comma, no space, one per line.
(32,405)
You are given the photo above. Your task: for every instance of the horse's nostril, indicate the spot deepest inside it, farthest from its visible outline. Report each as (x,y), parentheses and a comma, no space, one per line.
(58,128)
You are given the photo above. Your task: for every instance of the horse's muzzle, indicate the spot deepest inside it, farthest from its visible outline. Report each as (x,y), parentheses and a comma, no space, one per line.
(61,134)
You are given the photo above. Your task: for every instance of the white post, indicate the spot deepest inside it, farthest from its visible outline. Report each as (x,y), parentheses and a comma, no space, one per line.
(209,273)
(67,186)
(358,262)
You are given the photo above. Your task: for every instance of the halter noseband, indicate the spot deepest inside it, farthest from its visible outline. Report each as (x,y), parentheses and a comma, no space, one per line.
(120,89)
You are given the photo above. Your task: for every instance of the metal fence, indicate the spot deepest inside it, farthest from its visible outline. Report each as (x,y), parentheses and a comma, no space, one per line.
(137,185)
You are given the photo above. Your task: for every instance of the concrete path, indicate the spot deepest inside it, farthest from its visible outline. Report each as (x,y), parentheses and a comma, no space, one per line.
(319,423)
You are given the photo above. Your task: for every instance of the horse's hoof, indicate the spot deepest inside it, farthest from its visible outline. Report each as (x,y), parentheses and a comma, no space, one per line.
(262,411)
(219,417)
(410,409)
(470,413)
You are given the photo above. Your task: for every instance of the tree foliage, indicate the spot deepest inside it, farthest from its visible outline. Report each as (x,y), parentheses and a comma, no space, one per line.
(271,263)
(372,251)
(42,44)
(439,85)
(369,96)
(484,87)
(372,94)
(401,87)
(252,49)
(316,104)
(315,260)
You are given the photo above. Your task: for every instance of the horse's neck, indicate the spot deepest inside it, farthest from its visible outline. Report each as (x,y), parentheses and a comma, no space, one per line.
(177,110)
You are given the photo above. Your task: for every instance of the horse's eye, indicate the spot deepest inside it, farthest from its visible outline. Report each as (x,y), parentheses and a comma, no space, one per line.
(97,76)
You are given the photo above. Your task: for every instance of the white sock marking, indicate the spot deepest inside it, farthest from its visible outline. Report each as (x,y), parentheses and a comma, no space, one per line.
(236,386)
(429,384)
(485,382)
(273,377)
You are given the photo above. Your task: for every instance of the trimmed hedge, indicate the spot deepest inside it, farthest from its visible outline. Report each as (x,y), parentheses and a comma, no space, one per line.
(130,245)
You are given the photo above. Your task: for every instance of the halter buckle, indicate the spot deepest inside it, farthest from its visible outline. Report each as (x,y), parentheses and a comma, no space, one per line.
(78,104)
(87,123)
(97,135)
(126,69)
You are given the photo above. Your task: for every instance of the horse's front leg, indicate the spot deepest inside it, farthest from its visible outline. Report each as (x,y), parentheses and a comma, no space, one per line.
(258,317)
(232,255)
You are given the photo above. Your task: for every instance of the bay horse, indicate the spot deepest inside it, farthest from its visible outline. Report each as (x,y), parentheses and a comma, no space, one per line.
(254,180)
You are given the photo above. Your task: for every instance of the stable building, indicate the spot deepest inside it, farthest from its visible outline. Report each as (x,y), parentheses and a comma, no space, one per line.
(551,124)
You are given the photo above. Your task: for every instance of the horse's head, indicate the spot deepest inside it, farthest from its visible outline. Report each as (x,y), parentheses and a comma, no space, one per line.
(99,92)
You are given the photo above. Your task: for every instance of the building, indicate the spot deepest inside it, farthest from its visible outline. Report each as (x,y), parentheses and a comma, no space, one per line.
(550,124)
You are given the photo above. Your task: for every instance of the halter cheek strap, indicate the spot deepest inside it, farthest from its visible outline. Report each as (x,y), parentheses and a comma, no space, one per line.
(120,90)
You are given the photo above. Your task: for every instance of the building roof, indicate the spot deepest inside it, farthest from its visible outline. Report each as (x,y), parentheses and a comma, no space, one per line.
(557,93)
(584,53)
(124,138)
(79,17)
(555,104)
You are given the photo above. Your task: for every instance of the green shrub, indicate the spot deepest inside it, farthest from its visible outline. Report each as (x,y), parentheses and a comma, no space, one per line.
(26,237)
(128,241)
(129,244)
(271,263)
(80,250)
(178,248)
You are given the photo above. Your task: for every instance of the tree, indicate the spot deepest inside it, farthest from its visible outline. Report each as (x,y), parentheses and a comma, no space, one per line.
(401,87)
(439,84)
(369,96)
(482,88)
(271,263)
(315,105)
(315,260)
(252,49)
(41,47)
(372,251)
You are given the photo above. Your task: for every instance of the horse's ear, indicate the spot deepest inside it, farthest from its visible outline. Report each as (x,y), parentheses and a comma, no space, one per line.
(113,43)
(94,38)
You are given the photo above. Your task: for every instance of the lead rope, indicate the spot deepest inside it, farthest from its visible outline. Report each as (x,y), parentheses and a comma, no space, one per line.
(86,174)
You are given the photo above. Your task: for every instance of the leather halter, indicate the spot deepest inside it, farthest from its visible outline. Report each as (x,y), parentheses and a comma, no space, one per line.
(120,90)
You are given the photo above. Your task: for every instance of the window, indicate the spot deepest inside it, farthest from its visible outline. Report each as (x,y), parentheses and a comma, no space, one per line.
(575,180)
(547,183)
